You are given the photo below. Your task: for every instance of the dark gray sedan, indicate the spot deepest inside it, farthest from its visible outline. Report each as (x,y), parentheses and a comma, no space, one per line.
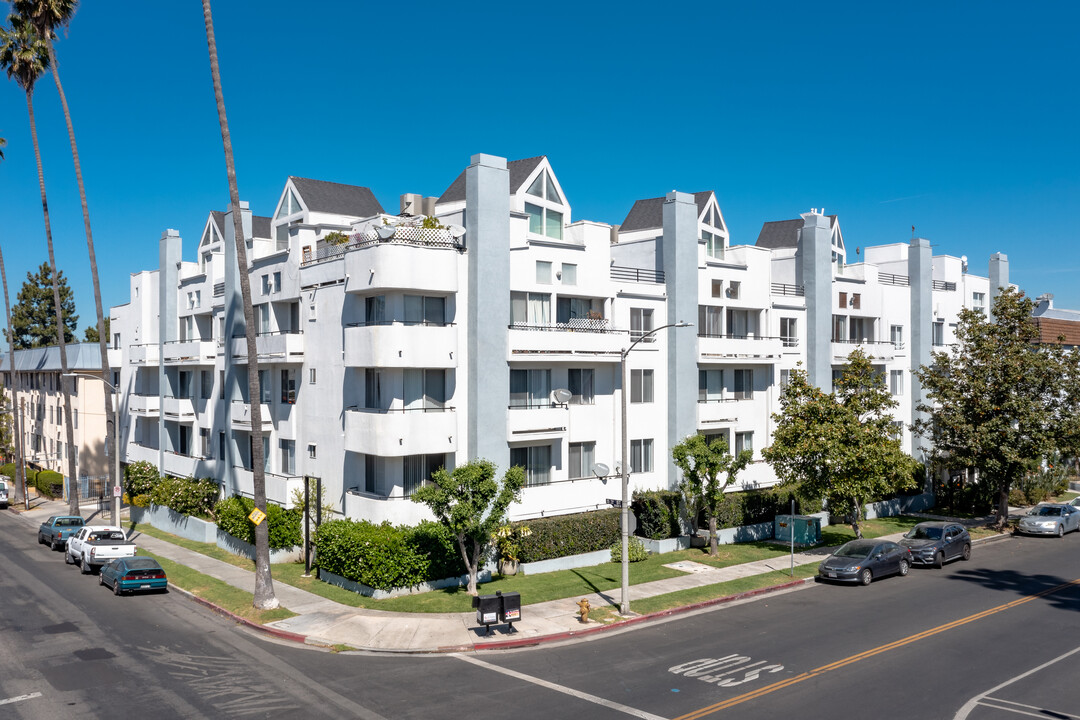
(934,543)
(863,560)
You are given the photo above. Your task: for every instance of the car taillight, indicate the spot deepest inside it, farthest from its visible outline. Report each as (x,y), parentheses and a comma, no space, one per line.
(93,552)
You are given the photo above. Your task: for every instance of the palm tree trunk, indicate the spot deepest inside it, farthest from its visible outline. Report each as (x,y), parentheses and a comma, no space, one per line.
(111,419)
(264,585)
(16,418)
(73,473)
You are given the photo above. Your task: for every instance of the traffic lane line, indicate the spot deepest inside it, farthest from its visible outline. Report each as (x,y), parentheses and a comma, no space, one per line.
(765,690)
(1039,712)
(610,704)
(19,698)
(970,705)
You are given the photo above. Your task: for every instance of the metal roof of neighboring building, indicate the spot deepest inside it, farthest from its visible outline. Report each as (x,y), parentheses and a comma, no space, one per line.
(81,357)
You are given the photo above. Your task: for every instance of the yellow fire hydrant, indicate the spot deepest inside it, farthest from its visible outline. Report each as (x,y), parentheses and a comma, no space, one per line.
(584,612)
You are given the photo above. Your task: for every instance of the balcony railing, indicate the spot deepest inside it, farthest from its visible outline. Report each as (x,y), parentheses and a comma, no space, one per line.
(590,325)
(943,285)
(403,235)
(792,290)
(890,279)
(640,275)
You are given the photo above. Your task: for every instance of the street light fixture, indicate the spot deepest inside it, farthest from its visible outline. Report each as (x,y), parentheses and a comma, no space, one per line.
(115,504)
(624,469)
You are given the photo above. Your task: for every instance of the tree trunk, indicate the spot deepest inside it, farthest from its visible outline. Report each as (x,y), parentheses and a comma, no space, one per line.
(856,515)
(16,418)
(470,564)
(714,549)
(72,471)
(111,419)
(264,598)
(1002,506)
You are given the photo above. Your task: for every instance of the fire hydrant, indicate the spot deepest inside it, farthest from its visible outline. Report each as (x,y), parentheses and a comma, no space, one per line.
(584,612)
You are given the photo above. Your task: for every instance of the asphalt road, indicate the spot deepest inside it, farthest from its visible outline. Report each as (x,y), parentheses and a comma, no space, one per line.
(935,644)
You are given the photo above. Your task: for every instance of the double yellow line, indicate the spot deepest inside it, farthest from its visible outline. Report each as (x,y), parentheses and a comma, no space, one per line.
(869,653)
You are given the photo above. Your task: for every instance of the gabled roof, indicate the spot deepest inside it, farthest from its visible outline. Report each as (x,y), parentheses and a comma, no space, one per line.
(519,170)
(649,214)
(260,226)
(80,357)
(335,198)
(783,233)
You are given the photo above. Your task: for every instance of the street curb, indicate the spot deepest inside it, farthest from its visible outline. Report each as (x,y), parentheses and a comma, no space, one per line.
(274,632)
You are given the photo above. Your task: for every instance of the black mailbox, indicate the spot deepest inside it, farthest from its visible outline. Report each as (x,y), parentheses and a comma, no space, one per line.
(509,608)
(488,609)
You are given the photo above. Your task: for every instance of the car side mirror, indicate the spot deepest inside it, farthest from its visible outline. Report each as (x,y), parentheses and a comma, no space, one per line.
(878,556)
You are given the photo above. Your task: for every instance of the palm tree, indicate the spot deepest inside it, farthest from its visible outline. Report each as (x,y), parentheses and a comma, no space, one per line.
(23,54)
(264,583)
(47,16)
(20,466)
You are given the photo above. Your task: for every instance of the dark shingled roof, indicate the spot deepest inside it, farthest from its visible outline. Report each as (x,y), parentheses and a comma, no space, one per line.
(783,233)
(519,170)
(260,226)
(335,198)
(649,214)
(219,220)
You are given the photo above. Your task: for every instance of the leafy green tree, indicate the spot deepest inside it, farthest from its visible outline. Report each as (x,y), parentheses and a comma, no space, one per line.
(472,504)
(90,334)
(33,318)
(840,446)
(702,463)
(998,399)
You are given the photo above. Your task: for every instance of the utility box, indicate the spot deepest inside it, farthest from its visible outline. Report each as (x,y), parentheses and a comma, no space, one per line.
(488,609)
(510,607)
(806,529)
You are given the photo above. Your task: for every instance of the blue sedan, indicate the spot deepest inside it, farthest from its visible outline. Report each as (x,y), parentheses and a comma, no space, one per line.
(133,574)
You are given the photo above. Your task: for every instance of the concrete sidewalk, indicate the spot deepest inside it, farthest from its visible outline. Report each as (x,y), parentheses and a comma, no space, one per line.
(324,622)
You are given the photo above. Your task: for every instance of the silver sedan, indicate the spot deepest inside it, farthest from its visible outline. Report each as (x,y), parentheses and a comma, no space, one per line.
(1050,519)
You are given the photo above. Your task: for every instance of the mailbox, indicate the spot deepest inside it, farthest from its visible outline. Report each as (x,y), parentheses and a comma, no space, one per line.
(488,609)
(509,608)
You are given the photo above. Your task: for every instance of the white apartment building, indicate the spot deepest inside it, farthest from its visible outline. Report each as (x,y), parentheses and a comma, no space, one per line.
(393,344)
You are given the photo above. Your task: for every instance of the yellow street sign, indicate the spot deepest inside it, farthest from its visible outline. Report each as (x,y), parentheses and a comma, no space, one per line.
(257,516)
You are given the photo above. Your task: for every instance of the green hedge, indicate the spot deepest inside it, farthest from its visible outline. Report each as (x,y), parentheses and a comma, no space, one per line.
(761,506)
(232,518)
(49,482)
(563,535)
(386,556)
(637,551)
(657,513)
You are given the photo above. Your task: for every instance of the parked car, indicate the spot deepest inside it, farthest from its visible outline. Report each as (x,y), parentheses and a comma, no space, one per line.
(863,560)
(1075,502)
(95,545)
(132,575)
(934,543)
(3,493)
(55,531)
(1050,519)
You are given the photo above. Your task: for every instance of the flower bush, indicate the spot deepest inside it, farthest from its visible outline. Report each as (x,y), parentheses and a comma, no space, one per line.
(284,525)
(508,541)
(140,478)
(187,496)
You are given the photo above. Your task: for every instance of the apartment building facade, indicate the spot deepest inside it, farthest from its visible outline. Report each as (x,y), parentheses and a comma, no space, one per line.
(489,323)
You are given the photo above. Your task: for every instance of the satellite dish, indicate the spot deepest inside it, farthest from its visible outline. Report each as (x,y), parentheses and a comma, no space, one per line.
(385,232)
(456,231)
(561,396)
(600,470)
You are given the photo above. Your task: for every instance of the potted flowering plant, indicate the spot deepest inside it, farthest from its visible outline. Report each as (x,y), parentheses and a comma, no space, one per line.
(508,544)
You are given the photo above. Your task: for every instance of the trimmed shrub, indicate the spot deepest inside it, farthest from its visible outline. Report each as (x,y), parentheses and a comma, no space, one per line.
(284,525)
(186,496)
(657,513)
(563,535)
(636,550)
(8,470)
(49,482)
(384,556)
(140,478)
(761,506)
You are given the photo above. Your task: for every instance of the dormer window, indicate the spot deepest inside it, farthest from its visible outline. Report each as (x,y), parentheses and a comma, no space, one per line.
(711,233)
(289,205)
(544,220)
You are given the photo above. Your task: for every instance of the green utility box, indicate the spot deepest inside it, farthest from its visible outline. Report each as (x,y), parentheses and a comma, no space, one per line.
(805,528)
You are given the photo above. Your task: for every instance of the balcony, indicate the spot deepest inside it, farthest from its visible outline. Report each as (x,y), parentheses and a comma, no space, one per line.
(279,488)
(744,348)
(719,411)
(396,510)
(274,347)
(536,422)
(144,354)
(144,405)
(577,339)
(882,350)
(401,345)
(180,465)
(241,416)
(178,409)
(136,452)
(396,433)
(190,352)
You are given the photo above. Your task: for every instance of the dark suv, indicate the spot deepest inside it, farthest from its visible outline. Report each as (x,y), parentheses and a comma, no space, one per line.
(934,543)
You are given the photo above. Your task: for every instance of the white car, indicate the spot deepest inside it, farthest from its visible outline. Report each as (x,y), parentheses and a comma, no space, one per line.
(1050,519)
(3,493)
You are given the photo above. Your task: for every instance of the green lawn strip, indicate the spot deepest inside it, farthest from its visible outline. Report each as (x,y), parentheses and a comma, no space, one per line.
(208,549)
(235,600)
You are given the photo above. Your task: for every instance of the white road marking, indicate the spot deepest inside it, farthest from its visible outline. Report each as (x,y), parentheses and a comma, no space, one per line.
(1043,712)
(19,698)
(634,712)
(979,699)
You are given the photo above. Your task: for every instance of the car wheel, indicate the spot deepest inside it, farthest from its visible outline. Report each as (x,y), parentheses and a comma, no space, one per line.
(865,577)
(101,579)
(966,553)
(67,558)
(939,559)
(40,539)
(116,588)
(84,567)
(904,567)
(53,545)
(1061,531)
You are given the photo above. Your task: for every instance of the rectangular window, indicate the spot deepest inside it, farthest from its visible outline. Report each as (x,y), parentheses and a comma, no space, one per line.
(785,378)
(206,384)
(543,272)
(412,476)
(710,385)
(373,470)
(221,445)
(744,441)
(262,318)
(581,460)
(265,389)
(569,308)
(265,284)
(641,456)
(288,456)
(569,274)
(311,451)
(744,384)
(375,310)
(856,301)
(710,321)
(839,328)
(116,341)
(788,332)
(204,442)
(275,285)
(580,384)
(536,460)
(641,322)
(897,428)
(978,300)
(288,386)
(311,376)
(896,382)
(843,300)
(530,388)
(536,218)
(221,384)
(75,418)
(718,288)
(939,333)
(641,386)
(740,324)
(896,334)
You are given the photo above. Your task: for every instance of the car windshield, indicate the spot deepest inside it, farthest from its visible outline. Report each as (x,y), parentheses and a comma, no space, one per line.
(920,532)
(1046,510)
(852,550)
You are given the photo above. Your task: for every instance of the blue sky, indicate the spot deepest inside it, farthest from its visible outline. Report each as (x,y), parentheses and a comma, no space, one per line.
(958,118)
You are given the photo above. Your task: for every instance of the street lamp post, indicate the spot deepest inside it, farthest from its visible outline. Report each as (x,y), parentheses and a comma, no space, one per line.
(624,470)
(115,504)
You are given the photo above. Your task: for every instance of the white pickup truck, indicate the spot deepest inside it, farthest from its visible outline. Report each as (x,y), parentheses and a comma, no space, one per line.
(95,545)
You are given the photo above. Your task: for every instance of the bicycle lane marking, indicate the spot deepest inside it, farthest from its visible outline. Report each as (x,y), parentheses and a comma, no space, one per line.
(794,680)
(979,699)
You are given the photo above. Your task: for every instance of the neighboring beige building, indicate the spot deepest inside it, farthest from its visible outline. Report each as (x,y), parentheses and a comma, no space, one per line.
(42,406)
